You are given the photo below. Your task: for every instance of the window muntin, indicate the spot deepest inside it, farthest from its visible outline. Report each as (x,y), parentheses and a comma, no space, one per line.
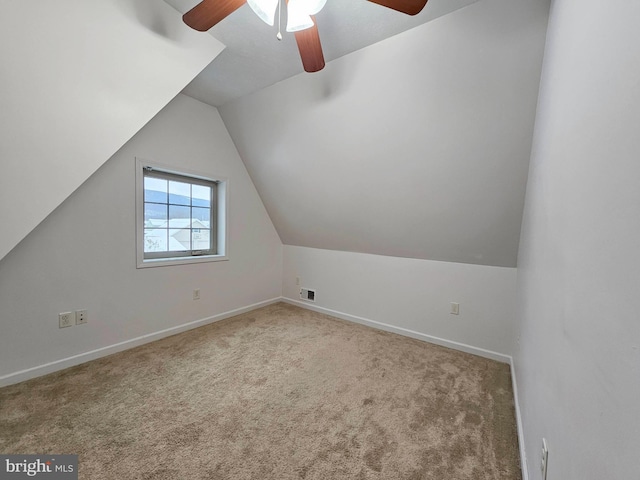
(180,215)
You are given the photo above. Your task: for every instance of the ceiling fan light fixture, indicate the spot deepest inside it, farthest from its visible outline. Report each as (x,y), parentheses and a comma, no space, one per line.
(265,9)
(297,17)
(312,7)
(295,24)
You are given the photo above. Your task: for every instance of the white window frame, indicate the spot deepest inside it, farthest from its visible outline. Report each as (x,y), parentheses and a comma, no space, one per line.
(220,216)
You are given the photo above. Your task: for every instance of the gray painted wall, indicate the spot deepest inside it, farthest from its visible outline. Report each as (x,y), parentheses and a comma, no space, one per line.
(410,295)
(578,366)
(83,256)
(417,146)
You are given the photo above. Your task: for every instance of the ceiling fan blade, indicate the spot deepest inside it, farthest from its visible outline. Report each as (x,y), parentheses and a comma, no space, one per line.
(209,12)
(310,49)
(410,7)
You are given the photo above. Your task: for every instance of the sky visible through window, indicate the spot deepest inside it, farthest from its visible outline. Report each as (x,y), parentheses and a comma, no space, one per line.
(177,215)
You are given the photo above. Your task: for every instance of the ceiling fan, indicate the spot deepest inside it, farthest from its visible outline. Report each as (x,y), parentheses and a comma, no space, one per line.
(300,20)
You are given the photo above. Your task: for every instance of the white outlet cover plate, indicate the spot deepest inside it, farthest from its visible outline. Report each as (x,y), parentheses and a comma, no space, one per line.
(66,319)
(81,317)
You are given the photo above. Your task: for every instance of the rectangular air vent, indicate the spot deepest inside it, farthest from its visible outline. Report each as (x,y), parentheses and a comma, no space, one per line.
(308,294)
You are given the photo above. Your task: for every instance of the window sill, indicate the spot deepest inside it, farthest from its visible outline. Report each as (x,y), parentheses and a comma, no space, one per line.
(165,262)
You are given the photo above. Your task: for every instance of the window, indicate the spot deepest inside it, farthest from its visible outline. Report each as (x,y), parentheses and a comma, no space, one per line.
(180,216)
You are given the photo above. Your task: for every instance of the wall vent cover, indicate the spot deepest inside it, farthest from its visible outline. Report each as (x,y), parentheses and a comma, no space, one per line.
(308,294)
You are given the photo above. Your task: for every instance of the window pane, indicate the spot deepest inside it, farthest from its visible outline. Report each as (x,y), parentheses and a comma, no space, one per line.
(155,215)
(155,190)
(201,239)
(179,239)
(201,196)
(179,193)
(155,240)
(201,217)
(179,217)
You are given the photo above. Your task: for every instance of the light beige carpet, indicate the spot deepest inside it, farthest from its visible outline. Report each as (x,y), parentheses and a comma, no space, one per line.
(277,393)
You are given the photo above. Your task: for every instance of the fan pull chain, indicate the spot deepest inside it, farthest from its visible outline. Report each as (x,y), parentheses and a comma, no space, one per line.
(279,35)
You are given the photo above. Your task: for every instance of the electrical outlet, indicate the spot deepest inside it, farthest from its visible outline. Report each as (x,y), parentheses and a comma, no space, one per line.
(297,280)
(196,294)
(66,319)
(455,308)
(82,317)
(545,459)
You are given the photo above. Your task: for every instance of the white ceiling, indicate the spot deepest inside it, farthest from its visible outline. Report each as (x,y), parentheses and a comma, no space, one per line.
(70,102)
(255,59)
(416,146)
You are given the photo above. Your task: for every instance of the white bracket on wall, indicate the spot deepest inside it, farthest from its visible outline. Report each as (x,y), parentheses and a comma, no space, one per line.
(545,459)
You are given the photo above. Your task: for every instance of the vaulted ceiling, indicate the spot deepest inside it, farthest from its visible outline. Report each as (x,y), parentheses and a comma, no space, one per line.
(78,80)
(416,146)
(254,59)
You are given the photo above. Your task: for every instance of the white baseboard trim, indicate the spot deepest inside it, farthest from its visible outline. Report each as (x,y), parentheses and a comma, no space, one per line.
(516,400)
(56,365)
(481,352)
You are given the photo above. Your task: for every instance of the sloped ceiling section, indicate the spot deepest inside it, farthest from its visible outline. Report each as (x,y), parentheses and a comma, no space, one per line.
(78,80)
(417,146)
